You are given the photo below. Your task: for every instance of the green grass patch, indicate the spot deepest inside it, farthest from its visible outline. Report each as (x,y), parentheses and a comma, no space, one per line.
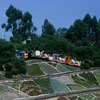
(44,82)
(34,70)
(75,87)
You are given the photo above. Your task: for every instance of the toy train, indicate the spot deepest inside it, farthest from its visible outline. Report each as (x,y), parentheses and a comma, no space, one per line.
(55,57)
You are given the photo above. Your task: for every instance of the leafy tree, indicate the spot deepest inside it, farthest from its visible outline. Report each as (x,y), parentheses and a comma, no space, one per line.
(14,19)
(61,32)
(47,28)
(19,24)
(26,25)
(80,29)
(70,32)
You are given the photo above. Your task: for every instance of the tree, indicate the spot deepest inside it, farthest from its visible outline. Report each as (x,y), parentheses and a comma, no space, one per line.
(14,19)
(61,32)
(26,25)
(47,28)
(6,51)
(80,29)
(19,24)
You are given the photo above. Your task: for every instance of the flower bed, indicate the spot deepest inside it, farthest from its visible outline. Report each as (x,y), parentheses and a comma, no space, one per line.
(90,78)
(57,86)
(7,93)
(34,70)
(30,88)
(97,74)
(61,68)
(14,84)
(44,82)
(65,80)
(75,87)
(47,68)
(80,81)
(53,64)
(70,68)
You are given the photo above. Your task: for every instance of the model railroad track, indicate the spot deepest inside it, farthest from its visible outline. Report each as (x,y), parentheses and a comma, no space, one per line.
(53,95)
(55,75)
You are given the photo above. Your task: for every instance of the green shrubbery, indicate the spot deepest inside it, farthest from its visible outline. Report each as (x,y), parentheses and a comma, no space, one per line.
(1,67)
(85,66)
(97,63)
(16,67)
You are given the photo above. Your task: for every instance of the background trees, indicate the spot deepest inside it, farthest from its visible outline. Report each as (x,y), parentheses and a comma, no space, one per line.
(47,28)
(81,40)
(19,24)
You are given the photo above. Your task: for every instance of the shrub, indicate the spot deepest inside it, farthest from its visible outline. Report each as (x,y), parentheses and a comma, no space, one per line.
(97,63)
(8,67)
(46,59)
(84,66)
(1,67)
(22,70)
(8,74)
(14,71)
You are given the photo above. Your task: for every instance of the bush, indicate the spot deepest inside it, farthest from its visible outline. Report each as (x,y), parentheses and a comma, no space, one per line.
(22,70)
(46,59)
(8,74)
(8,67)
(97,63)
(14,71)
(1,67)
(84,66)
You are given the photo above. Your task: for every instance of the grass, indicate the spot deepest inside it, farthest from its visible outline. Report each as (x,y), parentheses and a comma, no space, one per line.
(75,87)
(34,70)
(44,82)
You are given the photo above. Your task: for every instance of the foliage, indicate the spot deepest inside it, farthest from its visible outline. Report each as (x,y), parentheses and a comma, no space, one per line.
(1,67)
(19,24)
(6,51)
(84,66)
(47,28)
(8,67)
(8,74)
(96,63)
(14,71)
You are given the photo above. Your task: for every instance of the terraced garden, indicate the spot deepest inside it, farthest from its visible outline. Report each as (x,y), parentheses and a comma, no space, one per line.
(35,86)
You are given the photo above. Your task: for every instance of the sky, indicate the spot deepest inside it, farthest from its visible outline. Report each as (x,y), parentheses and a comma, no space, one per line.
(60,13)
